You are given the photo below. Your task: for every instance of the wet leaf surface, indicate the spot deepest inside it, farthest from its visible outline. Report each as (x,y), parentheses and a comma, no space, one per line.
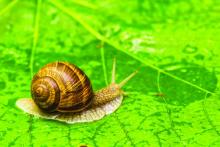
(174,99)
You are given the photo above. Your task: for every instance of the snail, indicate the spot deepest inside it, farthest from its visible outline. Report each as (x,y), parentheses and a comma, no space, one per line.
(62,91)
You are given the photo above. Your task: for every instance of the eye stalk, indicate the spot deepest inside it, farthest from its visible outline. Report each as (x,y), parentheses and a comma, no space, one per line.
(127,79)
(123,82)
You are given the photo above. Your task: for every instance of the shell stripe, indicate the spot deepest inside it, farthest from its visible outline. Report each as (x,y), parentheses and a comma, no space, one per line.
(77,90)
(69,80)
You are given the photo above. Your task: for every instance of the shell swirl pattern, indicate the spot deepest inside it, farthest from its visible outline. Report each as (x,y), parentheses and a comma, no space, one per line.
(61,87)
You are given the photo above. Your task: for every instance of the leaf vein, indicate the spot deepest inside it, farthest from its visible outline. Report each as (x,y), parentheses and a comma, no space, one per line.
(118,47)
(208,116)
(103,63)
(35,38)
(123,129)
(168,110)
(9,6)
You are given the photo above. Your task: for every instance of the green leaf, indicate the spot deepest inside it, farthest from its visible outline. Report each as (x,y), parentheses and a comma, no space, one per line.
(172,101)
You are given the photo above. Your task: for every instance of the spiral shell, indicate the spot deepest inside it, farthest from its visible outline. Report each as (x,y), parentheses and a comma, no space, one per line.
(61,87)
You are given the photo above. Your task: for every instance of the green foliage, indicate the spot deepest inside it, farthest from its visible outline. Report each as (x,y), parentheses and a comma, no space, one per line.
(174,99)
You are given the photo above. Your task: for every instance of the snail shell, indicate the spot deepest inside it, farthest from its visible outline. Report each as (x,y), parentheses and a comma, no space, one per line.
(61,87)
(61,91)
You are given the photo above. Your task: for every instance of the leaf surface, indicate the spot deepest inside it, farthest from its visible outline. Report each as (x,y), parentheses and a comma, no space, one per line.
(173,100)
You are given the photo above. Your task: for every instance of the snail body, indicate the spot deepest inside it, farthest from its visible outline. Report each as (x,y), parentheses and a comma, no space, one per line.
(63,92)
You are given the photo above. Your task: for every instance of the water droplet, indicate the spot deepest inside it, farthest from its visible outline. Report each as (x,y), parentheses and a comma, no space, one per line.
(183,70)
(190,49)
(173,67)
(144,43)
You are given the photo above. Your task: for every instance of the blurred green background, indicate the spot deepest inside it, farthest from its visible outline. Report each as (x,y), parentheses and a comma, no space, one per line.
(174,99)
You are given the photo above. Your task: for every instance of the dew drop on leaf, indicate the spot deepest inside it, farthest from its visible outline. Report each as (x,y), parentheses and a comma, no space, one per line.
(190,49)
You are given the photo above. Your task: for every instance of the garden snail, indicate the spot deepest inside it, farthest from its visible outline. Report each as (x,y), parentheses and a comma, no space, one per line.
(62,91)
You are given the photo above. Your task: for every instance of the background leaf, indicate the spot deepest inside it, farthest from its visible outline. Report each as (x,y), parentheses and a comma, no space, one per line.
(173,101)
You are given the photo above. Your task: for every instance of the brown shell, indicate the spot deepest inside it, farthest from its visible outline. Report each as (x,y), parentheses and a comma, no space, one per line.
(62,87)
